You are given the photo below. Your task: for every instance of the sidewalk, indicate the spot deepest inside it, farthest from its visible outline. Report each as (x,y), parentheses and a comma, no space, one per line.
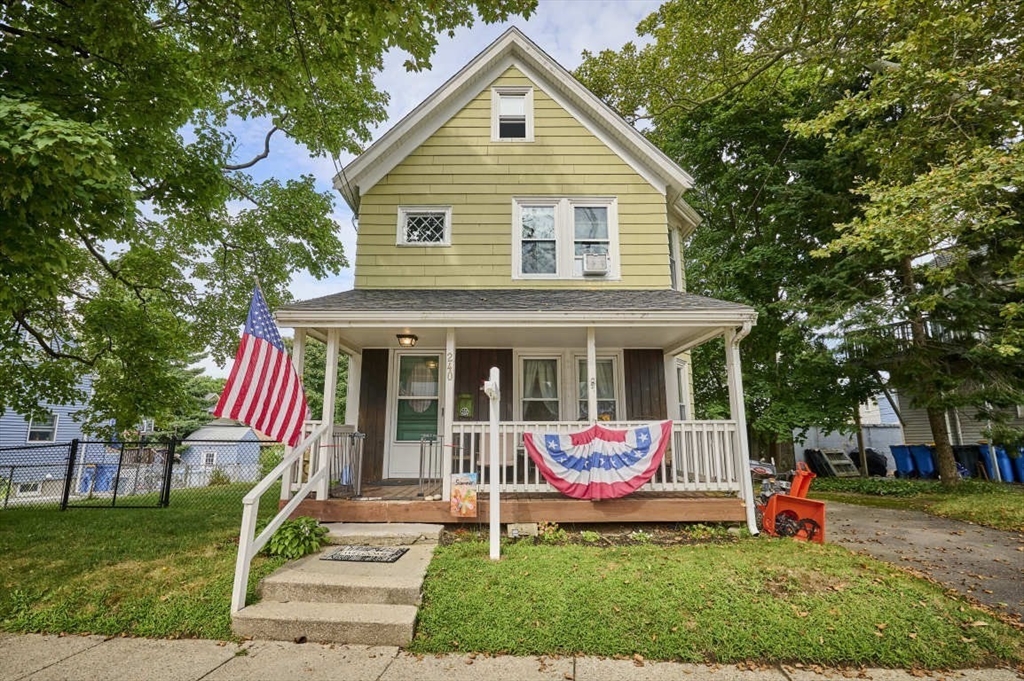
(95,658)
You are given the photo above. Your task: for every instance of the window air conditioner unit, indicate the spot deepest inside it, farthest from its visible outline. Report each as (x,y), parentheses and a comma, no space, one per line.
(595,264)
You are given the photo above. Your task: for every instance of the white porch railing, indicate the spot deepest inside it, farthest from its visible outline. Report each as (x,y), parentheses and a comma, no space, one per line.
(702,456)
(303,467)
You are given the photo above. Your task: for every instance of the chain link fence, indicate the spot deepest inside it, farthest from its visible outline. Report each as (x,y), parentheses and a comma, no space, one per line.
(213,474)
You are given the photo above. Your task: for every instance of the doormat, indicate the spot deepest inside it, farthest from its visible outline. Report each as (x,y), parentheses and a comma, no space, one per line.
(366,554)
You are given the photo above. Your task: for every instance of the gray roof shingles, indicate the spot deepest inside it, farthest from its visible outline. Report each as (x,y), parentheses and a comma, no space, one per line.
(500,300)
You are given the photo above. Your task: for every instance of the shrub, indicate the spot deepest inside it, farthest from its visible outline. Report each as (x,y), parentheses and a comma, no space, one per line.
(295,538)
(590,536)
(270,456)
(218,477)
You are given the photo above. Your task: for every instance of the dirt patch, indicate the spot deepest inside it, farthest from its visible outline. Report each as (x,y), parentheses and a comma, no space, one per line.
(608,534)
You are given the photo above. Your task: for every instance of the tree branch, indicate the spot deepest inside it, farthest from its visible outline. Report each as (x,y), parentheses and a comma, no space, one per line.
(44,344)
(259,157)
(78,50)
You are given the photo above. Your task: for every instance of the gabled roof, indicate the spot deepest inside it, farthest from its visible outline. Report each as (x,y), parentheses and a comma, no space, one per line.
(515,49)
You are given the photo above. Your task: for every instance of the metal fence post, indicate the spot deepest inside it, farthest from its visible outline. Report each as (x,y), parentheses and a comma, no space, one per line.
(70,474)
(117,477)
(10,484)
(165,491)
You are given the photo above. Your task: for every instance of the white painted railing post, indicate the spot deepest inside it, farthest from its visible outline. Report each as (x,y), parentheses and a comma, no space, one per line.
(492,388)
(330,393)
(448,446)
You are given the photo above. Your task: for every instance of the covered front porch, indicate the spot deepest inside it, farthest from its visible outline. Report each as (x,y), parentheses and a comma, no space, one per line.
(566,361)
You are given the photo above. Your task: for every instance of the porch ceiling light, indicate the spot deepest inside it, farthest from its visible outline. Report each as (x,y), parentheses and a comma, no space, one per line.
(407,340)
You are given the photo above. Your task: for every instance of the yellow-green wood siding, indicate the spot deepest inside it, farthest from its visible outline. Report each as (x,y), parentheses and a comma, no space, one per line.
(459,166)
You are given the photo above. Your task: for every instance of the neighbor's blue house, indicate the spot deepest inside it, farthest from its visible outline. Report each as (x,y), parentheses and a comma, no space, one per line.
(33,451)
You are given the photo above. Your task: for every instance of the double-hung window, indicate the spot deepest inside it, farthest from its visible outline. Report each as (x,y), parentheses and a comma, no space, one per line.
(424,225)
(43,430)
(553,236)
(512,114)
(540,389)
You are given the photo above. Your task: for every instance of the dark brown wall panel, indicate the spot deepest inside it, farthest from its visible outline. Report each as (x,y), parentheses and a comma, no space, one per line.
(645,385)
(472,366)
(373,402)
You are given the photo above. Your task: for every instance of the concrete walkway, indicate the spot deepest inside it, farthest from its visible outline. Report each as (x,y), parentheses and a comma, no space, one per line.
(981,563)
(95,658)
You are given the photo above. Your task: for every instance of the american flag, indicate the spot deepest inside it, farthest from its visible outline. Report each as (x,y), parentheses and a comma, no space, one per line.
(264,391)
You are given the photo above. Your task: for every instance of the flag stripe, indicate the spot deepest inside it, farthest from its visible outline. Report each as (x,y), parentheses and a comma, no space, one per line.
(263,389)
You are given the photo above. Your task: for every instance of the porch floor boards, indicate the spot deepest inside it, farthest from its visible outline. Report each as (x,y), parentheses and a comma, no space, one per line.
(400,504)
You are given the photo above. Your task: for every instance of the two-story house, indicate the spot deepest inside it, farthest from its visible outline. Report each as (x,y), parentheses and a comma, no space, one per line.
(514,220)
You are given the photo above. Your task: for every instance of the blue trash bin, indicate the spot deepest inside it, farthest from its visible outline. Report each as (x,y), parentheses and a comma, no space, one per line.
(1018,465)
(923,460)
(904,462)
(1003,461)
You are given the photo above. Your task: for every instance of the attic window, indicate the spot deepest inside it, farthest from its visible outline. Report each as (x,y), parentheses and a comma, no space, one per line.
(424,225)
(512,114)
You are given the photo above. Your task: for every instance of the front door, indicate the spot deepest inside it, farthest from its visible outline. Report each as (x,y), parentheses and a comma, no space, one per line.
(416,410)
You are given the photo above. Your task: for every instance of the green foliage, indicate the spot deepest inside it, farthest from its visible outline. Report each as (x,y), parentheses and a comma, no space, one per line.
(858,164)
(551,533)
(640,537)
(295,538)
(706,603)
(269,458)
(218,477)
(590,536)
(131,220)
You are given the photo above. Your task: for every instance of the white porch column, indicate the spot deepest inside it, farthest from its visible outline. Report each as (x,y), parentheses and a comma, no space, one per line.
(591,376)
(330,391)
(299,362)
(355,378)
(448,416)
(672,388)
(739,415)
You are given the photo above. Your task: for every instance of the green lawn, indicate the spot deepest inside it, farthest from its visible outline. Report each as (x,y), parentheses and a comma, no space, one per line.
(992,504)
(752,600)
(157,572)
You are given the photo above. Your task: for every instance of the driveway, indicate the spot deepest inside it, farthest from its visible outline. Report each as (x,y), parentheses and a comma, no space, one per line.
(984,564)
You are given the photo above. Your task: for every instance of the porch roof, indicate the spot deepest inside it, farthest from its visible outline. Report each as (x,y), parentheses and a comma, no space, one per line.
(371,317)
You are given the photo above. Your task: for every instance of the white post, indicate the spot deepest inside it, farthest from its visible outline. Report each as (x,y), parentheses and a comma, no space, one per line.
(492,388)
(355,379)
(739,415)
(447,442)
(299,362)
(672,388)
(330,391)
(591,376)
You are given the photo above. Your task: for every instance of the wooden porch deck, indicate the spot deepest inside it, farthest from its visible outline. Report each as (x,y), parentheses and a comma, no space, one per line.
(400,504)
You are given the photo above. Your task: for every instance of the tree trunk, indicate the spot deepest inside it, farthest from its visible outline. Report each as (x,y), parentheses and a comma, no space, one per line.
(943,448)
(936,416)
(860,443)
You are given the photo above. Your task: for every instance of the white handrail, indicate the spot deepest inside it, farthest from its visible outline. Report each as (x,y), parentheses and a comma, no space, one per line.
(249,544)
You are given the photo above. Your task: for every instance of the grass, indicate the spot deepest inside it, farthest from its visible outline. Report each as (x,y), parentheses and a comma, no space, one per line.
(155,572)
(751,600)
(992,504)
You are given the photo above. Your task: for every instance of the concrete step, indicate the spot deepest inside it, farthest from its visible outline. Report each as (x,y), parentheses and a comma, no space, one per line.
(355,623)
(383,534)
(328,581)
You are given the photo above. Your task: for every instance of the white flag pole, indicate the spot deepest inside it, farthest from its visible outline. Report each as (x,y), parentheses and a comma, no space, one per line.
(491,388)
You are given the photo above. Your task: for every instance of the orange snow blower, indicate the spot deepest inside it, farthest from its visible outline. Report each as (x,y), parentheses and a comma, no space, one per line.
(792,514)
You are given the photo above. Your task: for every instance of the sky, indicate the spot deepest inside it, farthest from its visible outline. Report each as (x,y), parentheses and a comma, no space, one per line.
(562,28)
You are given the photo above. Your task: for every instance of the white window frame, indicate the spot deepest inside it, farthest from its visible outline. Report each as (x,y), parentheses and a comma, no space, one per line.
(403,216)
(53,435)
(565,256)
(517,383)
(209,458)
(675,262)
(497,92)
(617,372)
(38,491)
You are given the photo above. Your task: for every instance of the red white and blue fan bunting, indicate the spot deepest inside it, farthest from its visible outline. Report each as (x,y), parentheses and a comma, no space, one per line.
(599,463)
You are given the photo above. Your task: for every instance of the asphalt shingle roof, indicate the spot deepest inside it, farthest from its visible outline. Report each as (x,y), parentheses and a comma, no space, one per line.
(512,300)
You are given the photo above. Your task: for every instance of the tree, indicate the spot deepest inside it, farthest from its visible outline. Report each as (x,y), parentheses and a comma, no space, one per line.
(768,199)
(129,226)
(923,100)
(199,397)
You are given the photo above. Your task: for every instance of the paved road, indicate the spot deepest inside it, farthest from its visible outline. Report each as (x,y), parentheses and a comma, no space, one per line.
(984,564)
